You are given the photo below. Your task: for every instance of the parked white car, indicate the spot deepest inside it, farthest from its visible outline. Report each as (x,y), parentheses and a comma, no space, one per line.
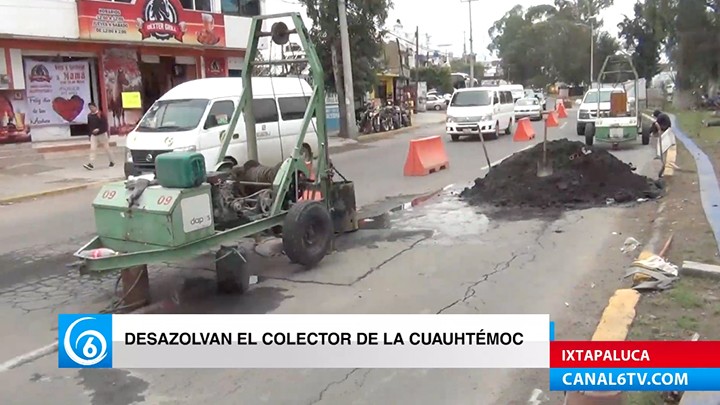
(436,103)
(528,107)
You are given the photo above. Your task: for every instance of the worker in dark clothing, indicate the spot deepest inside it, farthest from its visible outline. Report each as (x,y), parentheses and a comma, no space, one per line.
(98,127)
(661,124)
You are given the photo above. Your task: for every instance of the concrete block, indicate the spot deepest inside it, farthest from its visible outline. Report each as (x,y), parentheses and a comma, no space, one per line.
(617,317)
(700,269)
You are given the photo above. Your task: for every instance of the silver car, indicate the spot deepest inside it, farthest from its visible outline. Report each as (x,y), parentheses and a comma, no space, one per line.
(435,103)
(529,108)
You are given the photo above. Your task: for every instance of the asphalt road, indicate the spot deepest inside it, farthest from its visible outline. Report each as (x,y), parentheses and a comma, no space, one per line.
(443,257)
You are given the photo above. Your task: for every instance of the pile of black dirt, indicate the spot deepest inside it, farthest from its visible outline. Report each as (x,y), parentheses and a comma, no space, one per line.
(583,177)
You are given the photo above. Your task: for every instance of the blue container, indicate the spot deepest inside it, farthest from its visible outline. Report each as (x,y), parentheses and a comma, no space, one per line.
(332,117)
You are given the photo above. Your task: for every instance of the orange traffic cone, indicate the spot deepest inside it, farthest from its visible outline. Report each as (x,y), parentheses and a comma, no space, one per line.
(524,131)
(559,102)
(562,113)
(552,120)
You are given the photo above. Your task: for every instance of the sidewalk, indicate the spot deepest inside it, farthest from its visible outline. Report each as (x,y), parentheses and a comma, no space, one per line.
(60,168)
(53,176)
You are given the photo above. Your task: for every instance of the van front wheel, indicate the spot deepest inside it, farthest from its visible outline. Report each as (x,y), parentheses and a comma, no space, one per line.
(306,153)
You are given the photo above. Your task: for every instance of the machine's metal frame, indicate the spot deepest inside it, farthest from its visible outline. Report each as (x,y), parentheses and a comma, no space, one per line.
(631,126)
(133,254)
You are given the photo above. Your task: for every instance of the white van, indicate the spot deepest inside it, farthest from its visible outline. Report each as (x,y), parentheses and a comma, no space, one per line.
(195,116)
(517,90)
(480,110)
(588,110)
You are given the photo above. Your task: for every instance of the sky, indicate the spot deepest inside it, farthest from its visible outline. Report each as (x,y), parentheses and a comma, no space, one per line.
(447,24)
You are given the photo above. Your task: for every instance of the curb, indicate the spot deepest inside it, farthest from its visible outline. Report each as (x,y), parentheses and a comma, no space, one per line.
(57,191)
(614,325)
(67,148)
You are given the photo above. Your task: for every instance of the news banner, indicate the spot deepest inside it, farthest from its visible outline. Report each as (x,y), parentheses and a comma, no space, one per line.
(384,341)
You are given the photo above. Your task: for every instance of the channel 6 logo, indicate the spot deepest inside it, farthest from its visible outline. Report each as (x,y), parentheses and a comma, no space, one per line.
(84,341)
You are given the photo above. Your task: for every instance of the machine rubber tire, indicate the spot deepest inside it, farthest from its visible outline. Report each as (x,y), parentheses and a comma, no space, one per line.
(307,233)
(454,137)
(645,136)
(581,129)
(589,134)
(508,130)
(231,271)
(437,108)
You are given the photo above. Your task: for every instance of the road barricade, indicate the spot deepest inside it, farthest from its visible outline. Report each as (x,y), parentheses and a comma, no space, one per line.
(425,156)
(524,131)
(561,111)
(552,120)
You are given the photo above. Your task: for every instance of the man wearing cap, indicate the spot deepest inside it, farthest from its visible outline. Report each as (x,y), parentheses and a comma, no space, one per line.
(661,124)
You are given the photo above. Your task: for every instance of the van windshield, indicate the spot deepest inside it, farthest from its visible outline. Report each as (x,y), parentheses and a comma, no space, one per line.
(471,98)
(173,115)
(593,97)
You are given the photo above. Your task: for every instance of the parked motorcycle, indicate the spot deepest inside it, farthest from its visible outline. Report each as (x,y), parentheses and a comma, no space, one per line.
(368,122)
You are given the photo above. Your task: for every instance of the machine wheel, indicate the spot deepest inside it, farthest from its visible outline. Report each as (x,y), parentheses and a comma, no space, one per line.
(589,134)
(581,129)
(508,130)
(645,136)
(454,137)
(307,233)
(232,273)
(437,108)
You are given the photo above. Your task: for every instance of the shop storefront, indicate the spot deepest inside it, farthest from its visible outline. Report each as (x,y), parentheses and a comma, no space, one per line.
(127,56)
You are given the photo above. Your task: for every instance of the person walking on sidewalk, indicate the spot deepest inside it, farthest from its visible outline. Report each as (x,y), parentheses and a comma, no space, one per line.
(98,127)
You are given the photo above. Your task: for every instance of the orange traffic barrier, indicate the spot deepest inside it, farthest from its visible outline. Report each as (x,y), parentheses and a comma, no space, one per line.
(552,120)
(524,131)
(562,113)
(425,156)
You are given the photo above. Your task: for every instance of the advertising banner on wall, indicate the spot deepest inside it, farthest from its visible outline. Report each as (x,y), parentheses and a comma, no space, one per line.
(157,21)
(57,92)
(13,117)
(216,67)
(121,74)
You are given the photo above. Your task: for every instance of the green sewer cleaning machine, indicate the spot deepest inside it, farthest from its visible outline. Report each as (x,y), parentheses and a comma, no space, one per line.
(618,118)
(185,210)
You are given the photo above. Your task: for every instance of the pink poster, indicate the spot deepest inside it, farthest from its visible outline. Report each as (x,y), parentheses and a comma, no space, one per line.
(14,110)
(121,74)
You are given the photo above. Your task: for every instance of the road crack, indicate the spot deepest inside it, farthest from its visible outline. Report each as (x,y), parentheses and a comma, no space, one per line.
(390,259)
(334,383)
(470,292)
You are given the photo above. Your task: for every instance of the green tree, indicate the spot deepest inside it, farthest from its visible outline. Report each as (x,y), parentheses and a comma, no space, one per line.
(436,77)
(463,66)
(541,45)
(643,38)
(365,19)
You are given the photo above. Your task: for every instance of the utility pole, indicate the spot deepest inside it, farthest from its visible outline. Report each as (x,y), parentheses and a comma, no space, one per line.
(592,52)
(417,55)
(347,70)
(472,53)
(465,45)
